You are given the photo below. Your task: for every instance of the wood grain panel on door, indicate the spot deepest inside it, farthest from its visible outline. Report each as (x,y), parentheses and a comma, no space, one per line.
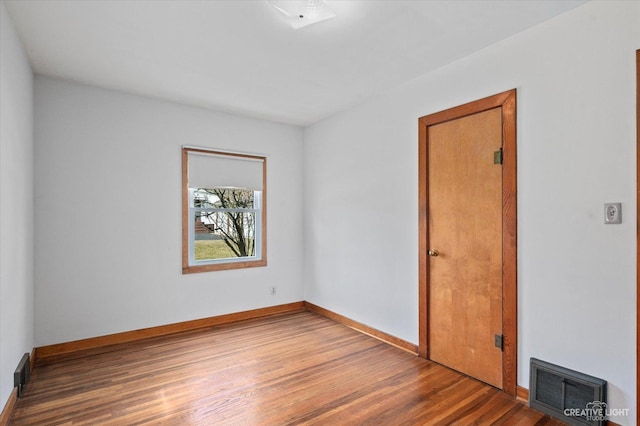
(465,227)
(503,104)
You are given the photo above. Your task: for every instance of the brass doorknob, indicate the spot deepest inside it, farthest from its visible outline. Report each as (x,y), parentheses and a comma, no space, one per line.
(433,253)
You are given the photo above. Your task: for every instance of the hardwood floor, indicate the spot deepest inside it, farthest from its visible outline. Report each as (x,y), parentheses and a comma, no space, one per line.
(296,368)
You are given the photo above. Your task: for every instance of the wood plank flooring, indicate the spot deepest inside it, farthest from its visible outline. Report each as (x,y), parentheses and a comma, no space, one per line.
(288,369)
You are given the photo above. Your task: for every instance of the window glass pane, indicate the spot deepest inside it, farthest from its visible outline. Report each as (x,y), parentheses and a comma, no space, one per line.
(225,234)
(226,198)
(223,228)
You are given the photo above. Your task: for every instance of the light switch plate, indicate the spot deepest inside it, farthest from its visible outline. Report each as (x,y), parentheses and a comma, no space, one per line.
(612,213)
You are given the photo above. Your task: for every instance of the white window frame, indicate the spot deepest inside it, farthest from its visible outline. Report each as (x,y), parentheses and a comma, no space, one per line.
(256,210)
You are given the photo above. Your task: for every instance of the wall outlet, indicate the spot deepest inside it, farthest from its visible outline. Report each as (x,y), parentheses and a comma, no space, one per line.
(273,290)
(612,213)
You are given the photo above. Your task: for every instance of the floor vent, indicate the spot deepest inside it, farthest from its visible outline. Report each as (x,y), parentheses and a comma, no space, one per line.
(570,396)
(22,373)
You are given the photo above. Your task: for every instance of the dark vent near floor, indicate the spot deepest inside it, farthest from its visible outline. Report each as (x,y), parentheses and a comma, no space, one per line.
(573,397)
(22,373)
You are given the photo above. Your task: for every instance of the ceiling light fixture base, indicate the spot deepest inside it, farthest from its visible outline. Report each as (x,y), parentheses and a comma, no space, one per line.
(301,13)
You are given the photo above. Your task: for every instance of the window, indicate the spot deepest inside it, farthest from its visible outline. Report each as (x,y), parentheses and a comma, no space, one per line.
(223,211)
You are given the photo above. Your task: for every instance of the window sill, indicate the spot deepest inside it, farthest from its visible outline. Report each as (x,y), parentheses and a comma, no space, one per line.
(223,266)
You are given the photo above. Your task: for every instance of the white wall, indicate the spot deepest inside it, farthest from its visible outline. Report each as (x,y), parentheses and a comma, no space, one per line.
(575,77)
(16,204)
(108,221)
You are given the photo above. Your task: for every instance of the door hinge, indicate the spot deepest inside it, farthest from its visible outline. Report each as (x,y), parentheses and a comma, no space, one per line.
(499,341)
(497,156)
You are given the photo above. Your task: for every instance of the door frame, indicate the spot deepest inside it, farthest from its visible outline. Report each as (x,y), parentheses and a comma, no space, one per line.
(507,102)
(638,236)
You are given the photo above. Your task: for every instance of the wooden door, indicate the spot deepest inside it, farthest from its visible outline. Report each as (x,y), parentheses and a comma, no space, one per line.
(465,239)
(504,102)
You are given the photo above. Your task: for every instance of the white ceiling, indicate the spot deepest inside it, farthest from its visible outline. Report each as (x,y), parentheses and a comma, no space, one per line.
(242,57)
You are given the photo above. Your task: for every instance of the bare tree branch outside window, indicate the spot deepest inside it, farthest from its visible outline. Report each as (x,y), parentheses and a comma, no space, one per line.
(233,218)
